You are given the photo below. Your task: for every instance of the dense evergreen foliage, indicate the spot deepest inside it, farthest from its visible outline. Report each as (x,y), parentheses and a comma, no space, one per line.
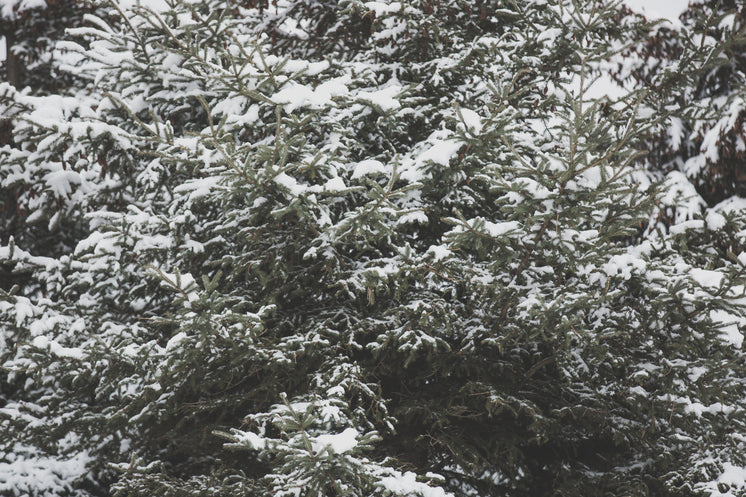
(316,248)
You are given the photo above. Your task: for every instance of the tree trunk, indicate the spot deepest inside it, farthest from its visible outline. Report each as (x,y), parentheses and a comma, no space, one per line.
(13,75)
(13,67)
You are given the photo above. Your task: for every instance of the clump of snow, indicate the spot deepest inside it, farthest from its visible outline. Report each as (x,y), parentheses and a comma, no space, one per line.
(290,183)
(682,227)
(624,265)
(335,185)
(499,229)
(367,167)
(152,5)
(441,152)
(675,132)
(23,309)
(60,181)
(471,119)
(384,99)
(175,340)
(338,443)
(295,95)
(416,216)
(715,220)
(381,8)
(250,439)
(549,34)
(696,372)
(308,68)
(732,204)
(698,409)
(679,192)
(710,147)
(533,189)
(707,278)
(44,343)
(407,483)
(694,165)
(439,252)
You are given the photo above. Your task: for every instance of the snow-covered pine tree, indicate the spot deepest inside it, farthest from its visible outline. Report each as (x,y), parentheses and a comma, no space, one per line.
(31,30)
(696,67)
(33,67)
(365,248)
(39,193)
(693,71)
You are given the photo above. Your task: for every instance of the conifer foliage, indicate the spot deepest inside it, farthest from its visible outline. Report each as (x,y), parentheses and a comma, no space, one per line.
(358,248)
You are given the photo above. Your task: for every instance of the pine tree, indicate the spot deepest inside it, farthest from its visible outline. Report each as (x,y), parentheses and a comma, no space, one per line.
(31,30)
(33,67)
(702,90)
(364,248)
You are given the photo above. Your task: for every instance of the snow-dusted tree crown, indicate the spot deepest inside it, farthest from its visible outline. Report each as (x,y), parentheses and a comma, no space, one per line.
(320,248)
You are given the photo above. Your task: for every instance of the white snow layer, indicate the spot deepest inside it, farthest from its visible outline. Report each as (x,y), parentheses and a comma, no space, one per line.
(732,476)
(732,204)
(39,475)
